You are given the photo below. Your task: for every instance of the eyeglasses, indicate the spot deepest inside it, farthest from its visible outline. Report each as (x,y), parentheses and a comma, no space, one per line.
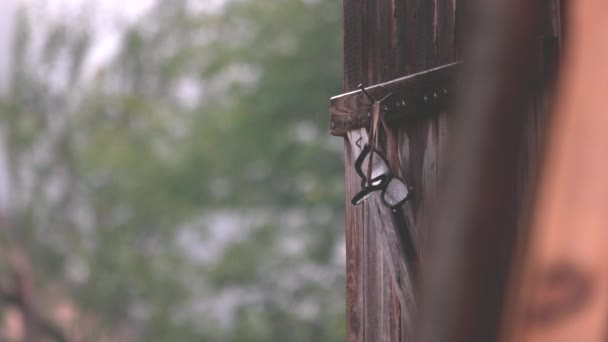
(376,175)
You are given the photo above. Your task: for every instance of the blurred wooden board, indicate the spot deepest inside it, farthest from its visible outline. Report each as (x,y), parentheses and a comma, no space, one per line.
(560,290)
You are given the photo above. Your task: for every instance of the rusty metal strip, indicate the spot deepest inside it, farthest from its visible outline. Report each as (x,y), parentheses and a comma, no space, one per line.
(415,95)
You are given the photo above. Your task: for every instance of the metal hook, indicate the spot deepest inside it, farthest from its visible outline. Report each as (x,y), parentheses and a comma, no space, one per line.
(366,93)
(358,142)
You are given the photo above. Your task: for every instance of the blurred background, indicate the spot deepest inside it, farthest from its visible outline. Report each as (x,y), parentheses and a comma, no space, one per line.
(166,172)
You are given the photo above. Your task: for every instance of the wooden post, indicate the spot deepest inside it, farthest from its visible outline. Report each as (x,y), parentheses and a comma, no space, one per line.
(384,40)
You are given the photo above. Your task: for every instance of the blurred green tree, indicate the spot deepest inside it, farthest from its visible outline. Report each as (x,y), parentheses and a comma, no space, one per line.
(187,190)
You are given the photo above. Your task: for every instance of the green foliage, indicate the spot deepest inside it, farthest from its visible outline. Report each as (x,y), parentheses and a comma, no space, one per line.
(200,194)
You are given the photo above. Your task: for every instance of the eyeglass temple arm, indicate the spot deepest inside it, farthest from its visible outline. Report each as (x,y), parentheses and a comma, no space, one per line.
(402,227)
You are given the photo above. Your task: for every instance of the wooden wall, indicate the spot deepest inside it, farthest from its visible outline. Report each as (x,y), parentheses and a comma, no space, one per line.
(384,40)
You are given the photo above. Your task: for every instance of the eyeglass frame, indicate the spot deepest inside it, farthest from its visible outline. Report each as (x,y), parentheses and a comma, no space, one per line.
(384,179)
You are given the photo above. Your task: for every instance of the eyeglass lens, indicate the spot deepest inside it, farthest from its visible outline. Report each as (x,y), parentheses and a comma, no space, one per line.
(395,192)
(378,165)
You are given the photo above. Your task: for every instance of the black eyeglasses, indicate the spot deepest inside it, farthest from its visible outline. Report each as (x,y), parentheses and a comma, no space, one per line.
(376,175)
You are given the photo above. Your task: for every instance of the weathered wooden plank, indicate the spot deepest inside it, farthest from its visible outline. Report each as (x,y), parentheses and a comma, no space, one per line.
(429,41)
(376,315)
(354,251)
(560,291)
(415,95)
(494,160)
(353,75)
(353,45)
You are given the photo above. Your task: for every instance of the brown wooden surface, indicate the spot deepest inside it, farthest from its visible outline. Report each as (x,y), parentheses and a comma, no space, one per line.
(384,40)
(560,291)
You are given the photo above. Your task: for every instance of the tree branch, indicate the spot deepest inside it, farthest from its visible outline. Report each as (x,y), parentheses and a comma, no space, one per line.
(45,326)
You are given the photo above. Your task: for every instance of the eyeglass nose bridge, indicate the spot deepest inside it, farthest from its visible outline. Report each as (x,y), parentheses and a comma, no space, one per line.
(384,186)
(367,191)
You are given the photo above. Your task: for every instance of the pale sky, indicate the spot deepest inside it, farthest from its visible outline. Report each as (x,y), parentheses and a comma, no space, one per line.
(107,18)
(107,13)
(6,25)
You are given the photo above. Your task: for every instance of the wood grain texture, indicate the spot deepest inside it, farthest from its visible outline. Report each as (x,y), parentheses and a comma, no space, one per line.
(385,40)
(353,73)
(354,251)
(560,291)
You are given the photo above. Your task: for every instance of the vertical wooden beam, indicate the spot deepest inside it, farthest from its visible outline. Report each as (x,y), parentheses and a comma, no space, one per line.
(384,40)
(495,147)
(353,73)
(560,292)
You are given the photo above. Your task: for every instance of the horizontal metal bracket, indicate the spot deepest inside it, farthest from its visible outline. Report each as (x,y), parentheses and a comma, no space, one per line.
(416,95)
